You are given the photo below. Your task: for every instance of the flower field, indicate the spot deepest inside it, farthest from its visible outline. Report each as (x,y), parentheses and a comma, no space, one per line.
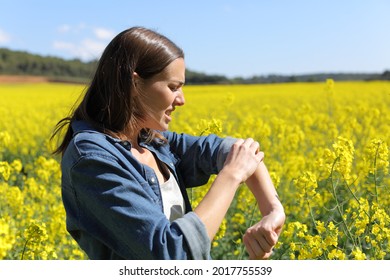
(326,146)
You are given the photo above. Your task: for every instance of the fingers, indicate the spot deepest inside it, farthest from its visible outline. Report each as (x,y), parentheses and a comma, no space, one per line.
(243,158)
(254,147)
(257,254)
(260,156)
(250,144)
(260,239)
(259,243)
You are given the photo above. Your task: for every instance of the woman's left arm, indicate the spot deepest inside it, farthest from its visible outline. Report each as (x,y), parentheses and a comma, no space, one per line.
(260,238)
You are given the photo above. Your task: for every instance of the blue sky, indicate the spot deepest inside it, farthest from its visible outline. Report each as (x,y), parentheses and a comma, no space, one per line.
(228,37)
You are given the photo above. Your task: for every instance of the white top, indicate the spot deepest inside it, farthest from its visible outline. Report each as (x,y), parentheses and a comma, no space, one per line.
(173,200)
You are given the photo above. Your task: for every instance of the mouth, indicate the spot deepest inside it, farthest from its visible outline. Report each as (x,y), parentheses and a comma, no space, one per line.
(168,113)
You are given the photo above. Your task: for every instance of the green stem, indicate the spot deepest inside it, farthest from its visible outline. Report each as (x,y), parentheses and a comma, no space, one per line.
(349,234)
(375,173)
(313,219)
(357,200)
(24,249)
(254,207)
(311,212)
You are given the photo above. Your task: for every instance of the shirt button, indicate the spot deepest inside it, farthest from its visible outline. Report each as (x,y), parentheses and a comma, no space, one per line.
(126,144)
(152,180)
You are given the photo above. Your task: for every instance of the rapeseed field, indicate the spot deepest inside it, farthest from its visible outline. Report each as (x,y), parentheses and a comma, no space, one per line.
(326,146)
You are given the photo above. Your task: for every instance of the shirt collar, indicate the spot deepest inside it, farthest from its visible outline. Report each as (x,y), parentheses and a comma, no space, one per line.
(83,126)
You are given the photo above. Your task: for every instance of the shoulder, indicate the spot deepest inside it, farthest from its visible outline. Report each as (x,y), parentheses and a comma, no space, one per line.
(89,143)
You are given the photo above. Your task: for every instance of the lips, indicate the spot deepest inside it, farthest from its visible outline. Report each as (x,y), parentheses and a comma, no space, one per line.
(169,112)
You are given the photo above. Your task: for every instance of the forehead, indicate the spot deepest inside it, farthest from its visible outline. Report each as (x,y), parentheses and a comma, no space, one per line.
(174,71)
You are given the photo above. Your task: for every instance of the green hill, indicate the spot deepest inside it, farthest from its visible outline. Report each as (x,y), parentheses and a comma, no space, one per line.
(58,69)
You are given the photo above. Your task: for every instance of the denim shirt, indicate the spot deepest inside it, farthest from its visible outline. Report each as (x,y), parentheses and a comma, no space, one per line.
(113,203)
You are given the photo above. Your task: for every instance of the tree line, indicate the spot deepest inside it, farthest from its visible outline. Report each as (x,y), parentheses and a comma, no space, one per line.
(24,63)
(58,69)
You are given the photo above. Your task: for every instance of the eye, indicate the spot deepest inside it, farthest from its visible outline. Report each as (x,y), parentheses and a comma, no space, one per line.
(174,88)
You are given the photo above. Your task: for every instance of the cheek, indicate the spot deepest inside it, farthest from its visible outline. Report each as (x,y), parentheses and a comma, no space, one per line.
(159,105)
(158,97)
(164,99)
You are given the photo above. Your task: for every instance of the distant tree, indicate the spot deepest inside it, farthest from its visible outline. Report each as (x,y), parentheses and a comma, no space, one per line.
(386,75)
(57,69)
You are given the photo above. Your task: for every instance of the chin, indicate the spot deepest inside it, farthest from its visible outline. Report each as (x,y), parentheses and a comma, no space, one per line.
(161,127)
(164,128)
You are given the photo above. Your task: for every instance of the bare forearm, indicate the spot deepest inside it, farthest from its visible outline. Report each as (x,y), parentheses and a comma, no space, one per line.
(213,207)
(263,189)
(261,238)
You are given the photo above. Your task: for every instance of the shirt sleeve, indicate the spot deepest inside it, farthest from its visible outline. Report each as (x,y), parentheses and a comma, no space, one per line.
(199,157)
(224,150)
(196,235)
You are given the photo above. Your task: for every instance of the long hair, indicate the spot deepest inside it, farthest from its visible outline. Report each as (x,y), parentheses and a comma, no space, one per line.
(108,103)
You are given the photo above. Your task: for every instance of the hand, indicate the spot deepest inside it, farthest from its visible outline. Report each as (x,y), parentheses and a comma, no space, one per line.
(260,239)
(243,158)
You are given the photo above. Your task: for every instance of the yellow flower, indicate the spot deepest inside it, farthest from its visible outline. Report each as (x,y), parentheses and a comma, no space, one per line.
(331,226)
(358,254)
(336,254)
(293,246)
(344,151)
(7,238)
(5,170)
(222,230)
(377,156)
(306,184)
(17,165)
(213,126)
(5,139)
(320,226)
(330,85)
(330,241)
(238,218)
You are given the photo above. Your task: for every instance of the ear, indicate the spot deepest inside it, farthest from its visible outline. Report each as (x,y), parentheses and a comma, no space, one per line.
(136,82)
(136,78)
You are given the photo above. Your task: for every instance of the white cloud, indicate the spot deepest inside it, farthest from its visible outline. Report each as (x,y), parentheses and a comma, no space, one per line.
(64,28)
(63,46)
(67,28)
(82,41)
(4,37)
(91,48)
(87,49)
(103,33)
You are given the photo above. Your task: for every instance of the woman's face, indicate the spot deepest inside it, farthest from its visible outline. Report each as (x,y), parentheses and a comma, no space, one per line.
(161,94)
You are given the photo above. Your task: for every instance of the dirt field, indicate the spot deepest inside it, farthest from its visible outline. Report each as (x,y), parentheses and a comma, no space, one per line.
(22,79)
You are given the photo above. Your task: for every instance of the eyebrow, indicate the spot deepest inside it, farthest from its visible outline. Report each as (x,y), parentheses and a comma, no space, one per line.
(178,81)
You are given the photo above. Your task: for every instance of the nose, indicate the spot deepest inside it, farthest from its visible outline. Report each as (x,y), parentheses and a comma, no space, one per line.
(179,100)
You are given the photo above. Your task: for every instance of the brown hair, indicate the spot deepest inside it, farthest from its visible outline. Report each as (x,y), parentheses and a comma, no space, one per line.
(108,103)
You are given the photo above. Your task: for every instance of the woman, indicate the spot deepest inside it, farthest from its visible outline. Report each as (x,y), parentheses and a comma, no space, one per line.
(124,175)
